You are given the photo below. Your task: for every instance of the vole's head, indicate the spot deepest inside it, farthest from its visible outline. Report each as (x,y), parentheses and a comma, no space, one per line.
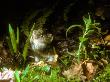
(39,40)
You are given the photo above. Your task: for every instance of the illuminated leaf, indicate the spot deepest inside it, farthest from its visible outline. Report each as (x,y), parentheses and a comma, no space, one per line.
(13,38)
(87,21)
(83,39)
(25,72)
(17,77)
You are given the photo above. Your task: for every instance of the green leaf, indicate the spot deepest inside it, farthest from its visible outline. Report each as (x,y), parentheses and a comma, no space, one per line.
(89,32)
(25,51)
(72,26)
(17,41)
(36,77)
(95,46)
(83,39)
(10,45)
(16,75)
(46,68)
(13,38)
(24,73)
(87,22)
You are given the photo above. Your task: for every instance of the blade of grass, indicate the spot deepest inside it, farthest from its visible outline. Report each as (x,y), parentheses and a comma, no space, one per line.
(87,22)
(17,77)
(72,26)
(10,45)
(17,41)
(24,73)
(13,38)
(25,51)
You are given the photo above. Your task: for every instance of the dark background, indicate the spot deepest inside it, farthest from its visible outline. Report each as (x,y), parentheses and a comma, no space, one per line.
(13,11)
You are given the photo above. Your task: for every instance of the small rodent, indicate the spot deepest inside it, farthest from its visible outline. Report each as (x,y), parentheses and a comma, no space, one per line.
(40,44)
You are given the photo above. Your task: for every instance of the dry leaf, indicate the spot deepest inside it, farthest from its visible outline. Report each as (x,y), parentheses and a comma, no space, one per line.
(89,69)
(75,70)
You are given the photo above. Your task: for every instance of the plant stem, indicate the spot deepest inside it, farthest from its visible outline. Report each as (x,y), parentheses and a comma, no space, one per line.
(79,50)
(80,46)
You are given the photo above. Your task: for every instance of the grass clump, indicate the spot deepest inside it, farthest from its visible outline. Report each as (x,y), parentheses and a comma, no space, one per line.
(39,74)
(14,40)
(14,43)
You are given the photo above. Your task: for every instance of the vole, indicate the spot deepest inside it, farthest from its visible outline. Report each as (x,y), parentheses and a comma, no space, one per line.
(41,45)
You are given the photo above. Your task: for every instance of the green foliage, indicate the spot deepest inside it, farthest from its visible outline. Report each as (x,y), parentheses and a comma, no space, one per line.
(44,68)
(66,59)
(52,77)
(104,76)
(39,74)
(87,22)
(25,51)
(25,72)
(19,78)
(87,29)
(14,40)
(17,41)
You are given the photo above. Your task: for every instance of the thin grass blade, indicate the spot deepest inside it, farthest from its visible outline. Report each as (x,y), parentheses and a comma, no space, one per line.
(13,39)
(72,26)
